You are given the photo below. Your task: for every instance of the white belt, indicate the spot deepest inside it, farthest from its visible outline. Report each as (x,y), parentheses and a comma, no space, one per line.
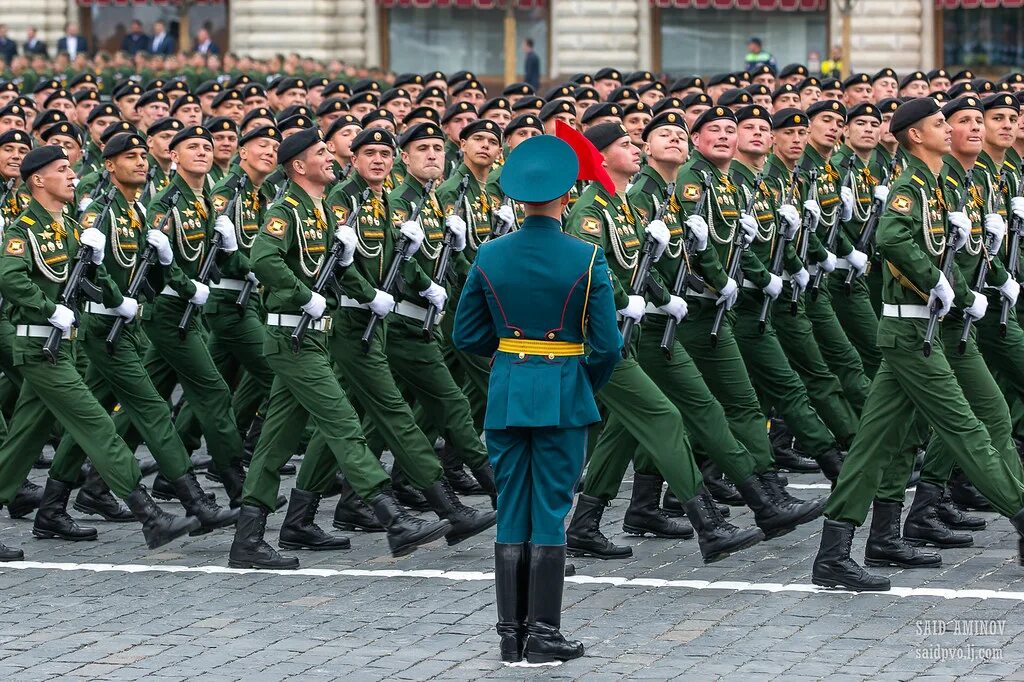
(786,277)
(168,291)
(346,302)
(917,312)
(282,320)
(701,294)
(411,310)
(100,309)
(38,331)
(747,284)
(232,284)
(843,264)
(654,310)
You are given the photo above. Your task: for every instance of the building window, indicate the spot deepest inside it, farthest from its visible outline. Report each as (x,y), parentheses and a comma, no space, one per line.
(983,37)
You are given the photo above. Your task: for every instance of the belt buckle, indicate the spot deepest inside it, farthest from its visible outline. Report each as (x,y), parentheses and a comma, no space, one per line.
(328,320)
(73,333)
(138,312)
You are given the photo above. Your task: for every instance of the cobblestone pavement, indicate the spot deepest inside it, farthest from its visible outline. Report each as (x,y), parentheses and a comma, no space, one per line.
(95,611)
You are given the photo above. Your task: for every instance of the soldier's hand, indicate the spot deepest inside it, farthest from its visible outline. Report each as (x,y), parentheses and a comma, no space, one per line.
(881,193)
(436,294)
(84,203)
(800,279)
(346,235)
(635,308)
(457,226)
(128,309)
(943,293)
(1017,206)
(676,307)
(658,231)
(251,276)
(962,223)
(226,229)
(846,194)
(995,228)
(96,241)
(791,220)
(977,309)
(814,208)
(62,318)
(748,225)
(158,240)
(829,264)
(774,287)
(382,304)
(315,306)
(698,228)
(858,260)
(728,294)
(1010,290)
(202,293)
(412,231)
(506,215)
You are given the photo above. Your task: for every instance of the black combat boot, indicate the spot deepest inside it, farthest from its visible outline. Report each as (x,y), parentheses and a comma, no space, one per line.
(466,521)
(405,531)
(44,461)
(966,495)
(158,527)
(584,536)
(10,553)
(511,586)
(716,537)
(197,504)
(831,463)
(773,514)
(673,507)
(201,461)
(148,466)
(405,494)
(923,525)
(249,549)
(162,489)
(645,516)
(544,641)
(354,514)
(484,475)
(232,477)
(785,452)
(722,490)
(299,530)
(26,500)
(462,483)
(955,517)
(94,497)
(52,519)
(833,566)
(886,547)
(1018,523)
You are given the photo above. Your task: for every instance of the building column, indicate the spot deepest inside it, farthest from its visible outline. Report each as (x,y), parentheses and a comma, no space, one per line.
(885,33)
(589,34)
(322,29)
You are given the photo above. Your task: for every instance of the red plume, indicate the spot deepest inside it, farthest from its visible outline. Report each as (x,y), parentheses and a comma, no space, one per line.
(591,160)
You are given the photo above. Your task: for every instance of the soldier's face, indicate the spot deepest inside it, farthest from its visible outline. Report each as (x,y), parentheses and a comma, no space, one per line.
(206,102)
(941,83)
(66,106)
(668,145)
(883,88)
(159,145)
(129,169)
(884,135)
(315,96)
(6,97)
(634,125)
(11,123)
(809,96)
(716,91)
(341,142)
(70,145)
(474,97)
(1001,127)
(414,90)
(855,94)
(825,129)
(424,159)
(754,137)
(862,133)
(362,109)
(519,135)
(232,109)
(693,113)
(83,108)
(291,97)
(127,106)
(499,116)
(790,143)
(153,112)
(455,125)
(256,123)
(766,79)
(788,100)
(968,132)
(193,156)
(399,108)
(622,157)
(260,154)
(374,162)
(481,149)
(254,102)
(651,97)
(225,144)
(717,141)
(435,103)
(1020,129)
(315,165)
(11,155)
(915,89)
(764,101)
(598,121)
(837,95)
(933,134)
(189,114)
(56,179)
(605,86)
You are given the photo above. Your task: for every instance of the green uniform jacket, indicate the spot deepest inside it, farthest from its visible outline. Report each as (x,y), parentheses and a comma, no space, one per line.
(999,183)
(863,186)
(14,202)
(829,181)
(248,217)
(189,230)
(758,257)
(477,210)
(784,190)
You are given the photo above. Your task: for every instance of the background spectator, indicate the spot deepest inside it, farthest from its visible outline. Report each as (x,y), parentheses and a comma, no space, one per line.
(532,73)
(135,40)
(33,45)
(163,43)
(71,42)
(8,48)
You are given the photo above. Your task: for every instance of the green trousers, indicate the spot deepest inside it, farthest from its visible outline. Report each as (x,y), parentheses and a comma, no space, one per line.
(304,389)
(908,381)
(703,418)
(858,318)
(58,390)
(840,355)
(1004,357)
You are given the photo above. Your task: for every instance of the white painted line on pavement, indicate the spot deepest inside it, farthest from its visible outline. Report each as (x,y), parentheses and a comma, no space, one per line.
(470,576)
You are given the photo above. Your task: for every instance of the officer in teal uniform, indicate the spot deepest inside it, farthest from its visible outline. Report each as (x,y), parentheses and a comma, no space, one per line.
(541,303)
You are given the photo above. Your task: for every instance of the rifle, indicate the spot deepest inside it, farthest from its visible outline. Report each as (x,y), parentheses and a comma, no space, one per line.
(947,266)
(641,280)
(140,283)
(499,228)
(738,249)
(208,269)
(868,232)
(777,257)
(326,277)
(242,302)
(1012,262)
(808,226)
(680,283)
(833,232)
(445,257)
(979,283)
(77,285)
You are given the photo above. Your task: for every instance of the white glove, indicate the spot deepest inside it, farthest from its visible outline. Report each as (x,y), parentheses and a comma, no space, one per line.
(506,215)
(457,226)
(412,231)
(943,293)
(962,223)
(1010,290)
(658,231)
(800,279)
(158,240)
(791,218)
(382,304)
(748,224)
(1017,206)
(316,306)
(698,228)
(676,307)
(774,287)
(75,182)
(96,241)
(995,227)
(226,229)
(347,236)
(128,309)
(634,310)
(436,294)
(62,318)
(881,193)
(846,194)
(84,204)
(728,294)
(829,264)
(202,293)
(251,276)
(814,207)
(977,309)
(858,260)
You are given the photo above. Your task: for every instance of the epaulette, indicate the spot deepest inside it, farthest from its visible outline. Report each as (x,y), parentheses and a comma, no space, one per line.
(1009,165)
(949,180)
(918,179)
(600,201)
(980,164)
(649,186)
(292,201)
(28,221)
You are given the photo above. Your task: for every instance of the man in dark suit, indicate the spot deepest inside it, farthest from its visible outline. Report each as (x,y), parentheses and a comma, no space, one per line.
(33,45)
(203,43)
(162,42)
(135,40)
(71,42)
(8,48)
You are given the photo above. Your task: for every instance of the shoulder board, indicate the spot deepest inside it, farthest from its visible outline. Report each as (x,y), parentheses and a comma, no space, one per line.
(292,201)
(918,179)
(649,186)
(978,163)
(1009,165)
(409,194)
(950,180)
(28,221)
(600,200)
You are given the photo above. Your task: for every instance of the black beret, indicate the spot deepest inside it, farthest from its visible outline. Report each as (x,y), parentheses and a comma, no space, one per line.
(667,118)
(269,132)
(40,157)
(155,84)
(1014,77)
(969,103)
(856,79)
(342,121)
(119,127)
(102,110)
(495,104)
(8,86)
(964,87)
(465,85)
(581,79)
(911,77)
(240,79)
(46,84)
(559,106)
(393,94)
(367,97)
(793,70)
(884,73)
(259,112)
(433,91)
(789,118)
(295,110)
(421,131)
(121,143)
(831,84)
(339,88)
(377,136)
(56,95)
(524,121)
(151,97)
(291,83)
(763,69)
(189,133)
(982,86)
(176,84)
(696,99)
(253,90)
(724,79)
(165,124)
(86,95)
(365,85)
(225,96)
(686,83)
(912,111)
(207,87)
(826,105)
(637,76)
(784,89)
(481,125)
(966,74)
(221,124)
(563,91)
(15,109)
(408,79)
(1001,101)
(317,82)
(434,76)
(127,89)
(456,109)
(623,93)
(735,96)
(297,121)
(608,73)
(82,78)
(636,108)
(429,113)
(654,85)
(518,89)
(66,129)
(889,105)
(939,96)
(529,102)
(1019,96)
(47,118)
(864,109)
(298,143)
(331,106)
(716,113)
(809,82)
(754,111)
(937,73)
(378,115)
(460,76)
(15,136)
(184,100)
(603,109)
(758,89)
(667,103)
(604,134)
